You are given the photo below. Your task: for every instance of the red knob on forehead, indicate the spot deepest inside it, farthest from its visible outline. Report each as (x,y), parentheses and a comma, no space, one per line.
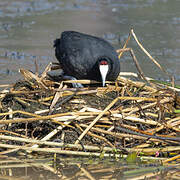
(103,62)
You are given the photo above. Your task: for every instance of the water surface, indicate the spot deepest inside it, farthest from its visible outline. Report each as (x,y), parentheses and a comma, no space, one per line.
(86,168)
(28,28)
(27,32)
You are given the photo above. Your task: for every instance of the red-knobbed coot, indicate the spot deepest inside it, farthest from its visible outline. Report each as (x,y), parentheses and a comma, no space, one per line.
(86,57)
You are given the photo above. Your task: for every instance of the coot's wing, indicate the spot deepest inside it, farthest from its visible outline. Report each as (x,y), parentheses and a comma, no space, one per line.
(73,54)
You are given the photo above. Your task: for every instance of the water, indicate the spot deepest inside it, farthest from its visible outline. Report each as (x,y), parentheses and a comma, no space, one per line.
(28,28)
(94,169)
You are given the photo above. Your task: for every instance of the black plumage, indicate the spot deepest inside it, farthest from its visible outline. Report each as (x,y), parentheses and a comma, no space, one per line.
(80,54)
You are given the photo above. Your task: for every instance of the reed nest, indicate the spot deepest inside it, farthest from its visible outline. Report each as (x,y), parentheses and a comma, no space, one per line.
(129,115)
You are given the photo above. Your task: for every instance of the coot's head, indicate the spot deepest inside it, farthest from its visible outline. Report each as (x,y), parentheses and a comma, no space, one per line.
(104,67)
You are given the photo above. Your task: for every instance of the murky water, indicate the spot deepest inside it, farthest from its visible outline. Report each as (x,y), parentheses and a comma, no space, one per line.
(93,169)
(28,28)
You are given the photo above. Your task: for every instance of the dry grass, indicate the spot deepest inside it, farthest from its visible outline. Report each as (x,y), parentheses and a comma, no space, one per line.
(38,114)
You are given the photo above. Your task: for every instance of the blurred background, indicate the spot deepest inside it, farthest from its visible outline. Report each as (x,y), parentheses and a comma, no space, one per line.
(29,27)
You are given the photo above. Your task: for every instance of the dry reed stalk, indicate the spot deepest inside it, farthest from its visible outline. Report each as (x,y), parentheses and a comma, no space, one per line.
(125,45)
(174,121)
(6,85)
(52,133)
(59,151)
(145,51)
(172,88)
(20,112)
(146,132)
(171,159)
(56,97)
(8,151)
(64,145)
(136,119)
(14,92)
(62,124)
(141,146)
(168,139)
(95,120)
(137,98)
(79,118)
(122,50)
(133,75)
(174,124)
(46,99)
(47,69)
(36,101)
(29,76)
(137,84)
(48,117)
(161,149)
(174,128)
(42,111)
(139,68)
(133,128)
(107,89)
(21,101)
(68,93)
(151,114)
(162,101)
(70,115)
(155,130)
(121,135)
(83,81)
(13,133)
(55,131)
(96,136)
(155,62)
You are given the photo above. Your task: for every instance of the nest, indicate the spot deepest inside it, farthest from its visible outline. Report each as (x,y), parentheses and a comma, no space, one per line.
(128,115)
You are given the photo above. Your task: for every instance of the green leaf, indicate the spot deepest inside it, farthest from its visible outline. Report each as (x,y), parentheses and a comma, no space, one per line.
(132,158)
(177,110)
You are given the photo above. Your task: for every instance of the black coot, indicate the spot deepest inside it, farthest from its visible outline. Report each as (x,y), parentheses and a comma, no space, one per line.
(86,57)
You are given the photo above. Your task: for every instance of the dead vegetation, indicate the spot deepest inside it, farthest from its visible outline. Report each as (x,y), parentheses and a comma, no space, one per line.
(38,114)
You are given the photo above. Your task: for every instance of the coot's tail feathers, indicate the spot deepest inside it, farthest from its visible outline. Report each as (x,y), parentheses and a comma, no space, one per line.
(56,42)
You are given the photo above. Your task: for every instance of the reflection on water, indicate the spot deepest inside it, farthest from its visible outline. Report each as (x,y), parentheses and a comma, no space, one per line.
(67,168)
(28,28)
